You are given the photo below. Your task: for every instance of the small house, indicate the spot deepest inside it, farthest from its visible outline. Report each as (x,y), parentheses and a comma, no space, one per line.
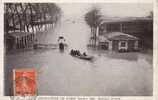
(140,27)
(118,41)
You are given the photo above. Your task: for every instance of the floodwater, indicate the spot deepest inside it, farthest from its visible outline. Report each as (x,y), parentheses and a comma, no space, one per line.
(58,73)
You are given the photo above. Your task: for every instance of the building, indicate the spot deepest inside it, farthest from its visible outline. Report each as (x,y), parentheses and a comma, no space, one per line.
(126,29)
(129,25)
(19,40)
(118,41)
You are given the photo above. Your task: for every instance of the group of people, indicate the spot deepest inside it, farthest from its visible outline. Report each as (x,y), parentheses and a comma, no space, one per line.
(77,53)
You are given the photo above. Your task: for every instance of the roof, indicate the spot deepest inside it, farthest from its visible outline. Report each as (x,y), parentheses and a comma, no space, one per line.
(125,19)
(61,37)
(119,36)
(19,34)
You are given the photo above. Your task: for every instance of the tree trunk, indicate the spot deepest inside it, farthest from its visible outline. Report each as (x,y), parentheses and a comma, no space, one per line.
(27,26)
(96,35)
(14,26)
(32,28)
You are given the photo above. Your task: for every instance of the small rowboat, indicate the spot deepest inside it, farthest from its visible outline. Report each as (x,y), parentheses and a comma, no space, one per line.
(83,57)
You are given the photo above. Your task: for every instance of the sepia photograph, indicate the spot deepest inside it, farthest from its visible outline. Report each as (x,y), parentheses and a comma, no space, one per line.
(78,49)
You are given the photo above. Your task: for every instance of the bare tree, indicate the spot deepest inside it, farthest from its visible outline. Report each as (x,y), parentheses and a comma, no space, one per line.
(34,15)
(93,19)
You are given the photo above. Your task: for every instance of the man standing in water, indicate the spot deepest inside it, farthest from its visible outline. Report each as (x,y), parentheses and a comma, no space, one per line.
(61,41)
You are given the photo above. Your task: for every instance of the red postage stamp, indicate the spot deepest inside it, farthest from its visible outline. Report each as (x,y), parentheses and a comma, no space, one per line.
(24,82)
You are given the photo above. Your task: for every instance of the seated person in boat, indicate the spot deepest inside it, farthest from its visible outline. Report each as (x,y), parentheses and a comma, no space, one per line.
(72,52)
(75,52)
(78,52)
(84,54)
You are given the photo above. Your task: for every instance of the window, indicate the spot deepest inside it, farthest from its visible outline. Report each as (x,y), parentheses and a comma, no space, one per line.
(123,44)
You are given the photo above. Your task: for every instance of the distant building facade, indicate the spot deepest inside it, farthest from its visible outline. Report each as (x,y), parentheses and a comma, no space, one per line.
(125,33)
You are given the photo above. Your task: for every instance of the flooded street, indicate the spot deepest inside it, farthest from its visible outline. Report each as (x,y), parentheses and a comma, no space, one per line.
(109,74)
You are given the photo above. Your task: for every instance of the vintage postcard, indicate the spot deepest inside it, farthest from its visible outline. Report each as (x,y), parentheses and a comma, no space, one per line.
(79,48)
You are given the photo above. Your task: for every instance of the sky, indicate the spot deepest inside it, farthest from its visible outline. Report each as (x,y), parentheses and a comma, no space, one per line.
(108,9)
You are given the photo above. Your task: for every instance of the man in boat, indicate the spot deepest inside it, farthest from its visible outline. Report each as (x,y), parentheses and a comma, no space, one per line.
(75,52)
(78,53)
(72,52)
(84,54)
